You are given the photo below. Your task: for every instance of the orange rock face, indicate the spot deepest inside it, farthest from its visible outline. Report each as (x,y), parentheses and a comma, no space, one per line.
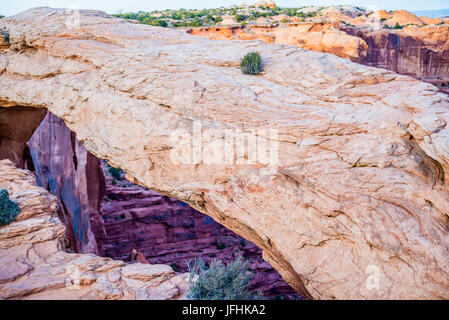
(322,37)
(417,50)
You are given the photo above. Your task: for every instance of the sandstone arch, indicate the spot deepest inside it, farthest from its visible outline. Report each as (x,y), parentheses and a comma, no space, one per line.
(363,153)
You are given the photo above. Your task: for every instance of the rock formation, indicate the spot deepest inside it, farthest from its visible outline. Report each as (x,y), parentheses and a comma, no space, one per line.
(65,168)
(167,231)
(418,52)
(16,127)
(34,266)
(164,230)
(322,37)
(416,49)
(356,205)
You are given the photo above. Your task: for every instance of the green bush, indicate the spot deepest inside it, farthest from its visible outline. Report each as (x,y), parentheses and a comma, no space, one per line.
(174,267)
(251,63)
(8,209)
(5,34)
(116,173)
(240,18)
(219,281)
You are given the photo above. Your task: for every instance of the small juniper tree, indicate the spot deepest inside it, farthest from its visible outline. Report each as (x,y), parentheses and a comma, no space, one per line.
(397,26)
(8,209)
(251,63)
(219,281)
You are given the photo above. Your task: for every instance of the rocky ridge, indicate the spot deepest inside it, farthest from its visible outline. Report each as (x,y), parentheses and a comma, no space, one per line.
(398,40)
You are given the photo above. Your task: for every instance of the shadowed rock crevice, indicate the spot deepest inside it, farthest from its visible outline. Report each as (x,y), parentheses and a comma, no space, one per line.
(17,125)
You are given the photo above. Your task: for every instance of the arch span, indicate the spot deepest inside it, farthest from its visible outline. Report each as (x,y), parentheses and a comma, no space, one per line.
(359,181)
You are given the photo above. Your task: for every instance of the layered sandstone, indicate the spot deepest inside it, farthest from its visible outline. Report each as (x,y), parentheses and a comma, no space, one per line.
(16,127)
(322,37)
(112,217)
(168,231)
(34,266)
(417,52)
(66,169)
(356,205)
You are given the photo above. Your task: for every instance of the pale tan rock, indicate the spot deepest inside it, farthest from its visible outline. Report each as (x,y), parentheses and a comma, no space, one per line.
(33,266)
(358,204)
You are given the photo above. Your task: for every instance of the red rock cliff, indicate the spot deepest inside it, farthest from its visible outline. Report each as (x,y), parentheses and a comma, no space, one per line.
(64,167)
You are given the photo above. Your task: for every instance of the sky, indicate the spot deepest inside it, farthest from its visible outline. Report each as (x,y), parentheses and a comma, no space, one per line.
(8,7)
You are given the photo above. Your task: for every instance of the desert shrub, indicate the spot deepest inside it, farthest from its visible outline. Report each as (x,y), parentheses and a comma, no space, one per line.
(155,22)
(116,173)
(5,34)
(397,26)
(251,63)
(240,18)
(219,281)
(8,209)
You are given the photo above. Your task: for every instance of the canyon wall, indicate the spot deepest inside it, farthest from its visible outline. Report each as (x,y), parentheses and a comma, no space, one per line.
(358,191)
(421,52)
(168,231)
(64,167)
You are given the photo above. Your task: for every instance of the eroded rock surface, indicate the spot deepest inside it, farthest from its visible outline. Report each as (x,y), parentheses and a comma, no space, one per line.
(360,187)
(168,231)
(33,266)
(65,168)
(17,124)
